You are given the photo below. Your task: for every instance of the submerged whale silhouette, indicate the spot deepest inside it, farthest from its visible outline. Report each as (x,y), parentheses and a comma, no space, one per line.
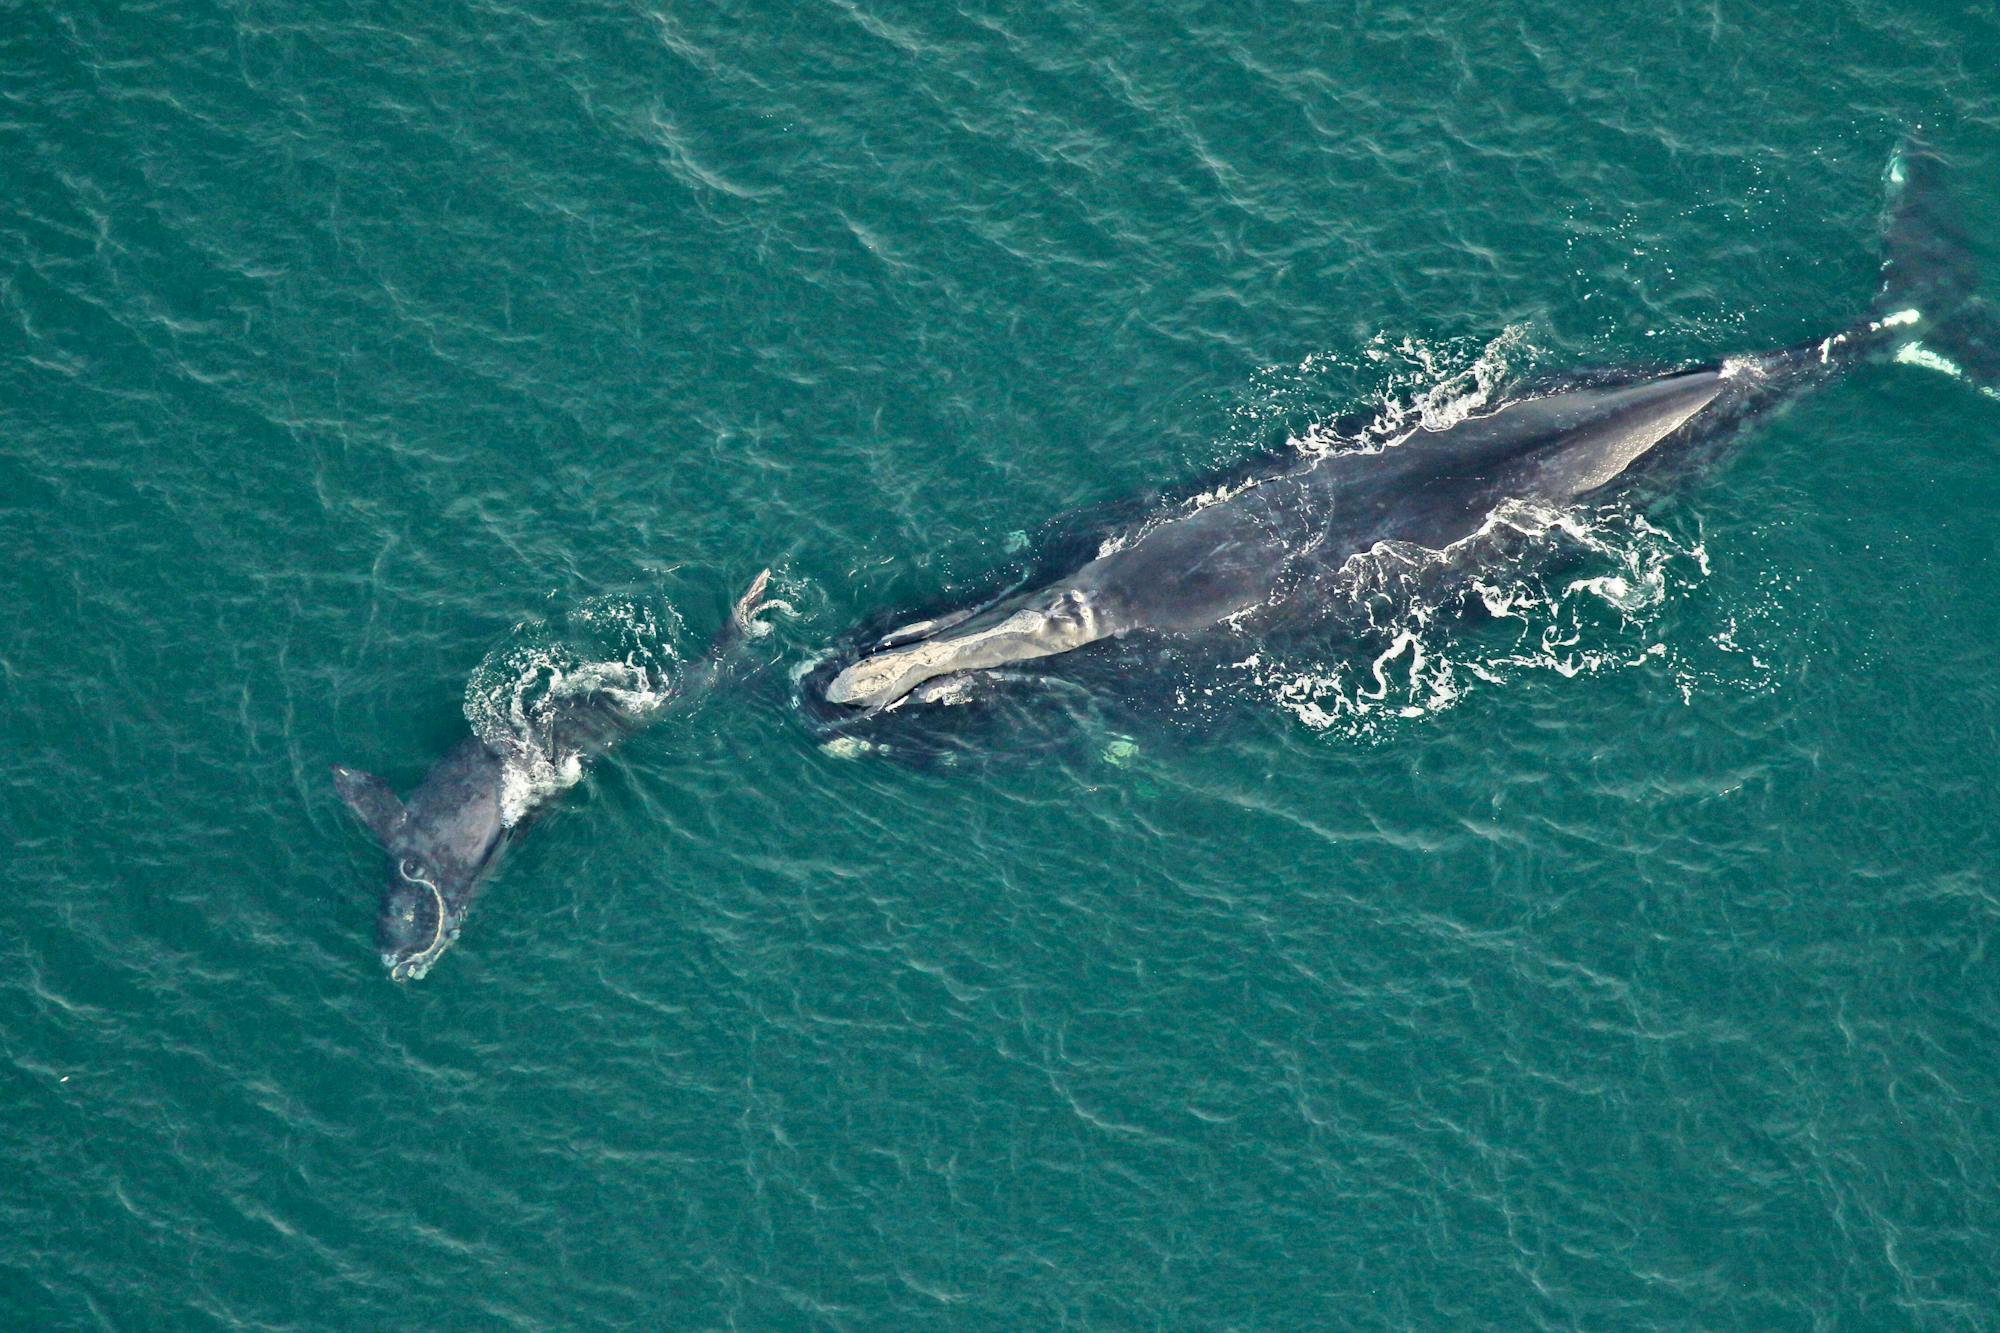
(1290,530)
(446,838)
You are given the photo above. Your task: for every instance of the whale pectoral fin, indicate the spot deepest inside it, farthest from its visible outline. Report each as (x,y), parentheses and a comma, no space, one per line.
(372,802)
(743,622)
(747,607)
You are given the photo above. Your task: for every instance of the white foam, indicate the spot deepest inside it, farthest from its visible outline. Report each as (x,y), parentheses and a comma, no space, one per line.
(1430,386)
(1916,354)
(614,652)
(1605,617)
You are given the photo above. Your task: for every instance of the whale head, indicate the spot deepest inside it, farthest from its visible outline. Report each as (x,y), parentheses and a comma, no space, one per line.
(440,846)
(419,918)
(1049,621)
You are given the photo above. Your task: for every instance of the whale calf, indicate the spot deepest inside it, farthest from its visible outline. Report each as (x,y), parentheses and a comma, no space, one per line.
(445,839)
(1287,530)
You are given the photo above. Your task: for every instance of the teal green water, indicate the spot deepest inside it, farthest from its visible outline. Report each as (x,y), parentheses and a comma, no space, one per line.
(1623,962)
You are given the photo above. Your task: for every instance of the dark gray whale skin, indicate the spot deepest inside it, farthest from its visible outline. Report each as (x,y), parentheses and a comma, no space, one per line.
(446,838)
(1280,542)
(1285,533)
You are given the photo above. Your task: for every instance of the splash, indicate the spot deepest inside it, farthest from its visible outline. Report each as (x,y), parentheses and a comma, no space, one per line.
(1401,384)
(1563,592)
(554,695)
(1424,386)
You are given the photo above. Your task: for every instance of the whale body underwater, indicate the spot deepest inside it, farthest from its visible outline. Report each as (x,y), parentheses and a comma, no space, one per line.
(1275,535)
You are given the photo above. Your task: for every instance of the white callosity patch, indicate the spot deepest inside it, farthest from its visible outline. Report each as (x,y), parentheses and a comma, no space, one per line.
(1916,354)
(1060,621)
(611,655)
(1895,320)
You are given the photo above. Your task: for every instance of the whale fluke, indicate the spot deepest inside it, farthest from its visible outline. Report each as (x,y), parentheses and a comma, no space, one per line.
(1930,275)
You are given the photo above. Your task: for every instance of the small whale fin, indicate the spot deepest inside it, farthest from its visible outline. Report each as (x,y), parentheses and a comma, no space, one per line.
(377,807)
(743,623)
(1930,276)
(744,614)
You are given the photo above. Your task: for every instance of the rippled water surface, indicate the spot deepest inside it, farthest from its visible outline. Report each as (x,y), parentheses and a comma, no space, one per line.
(1620,956)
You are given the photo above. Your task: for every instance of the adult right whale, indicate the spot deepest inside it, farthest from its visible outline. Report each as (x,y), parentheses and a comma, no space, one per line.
(1288,531)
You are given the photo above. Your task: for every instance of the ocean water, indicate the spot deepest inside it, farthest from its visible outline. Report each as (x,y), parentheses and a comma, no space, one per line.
(1621,960)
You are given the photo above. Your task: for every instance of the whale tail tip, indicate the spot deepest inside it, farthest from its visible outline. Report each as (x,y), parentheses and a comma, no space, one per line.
(1930,275)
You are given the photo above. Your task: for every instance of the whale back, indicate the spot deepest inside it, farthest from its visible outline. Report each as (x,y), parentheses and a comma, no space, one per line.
(1231,556)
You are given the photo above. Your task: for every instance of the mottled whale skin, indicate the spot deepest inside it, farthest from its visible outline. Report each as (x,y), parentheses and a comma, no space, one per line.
(1291,528)
(1296,526)
(446,838)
